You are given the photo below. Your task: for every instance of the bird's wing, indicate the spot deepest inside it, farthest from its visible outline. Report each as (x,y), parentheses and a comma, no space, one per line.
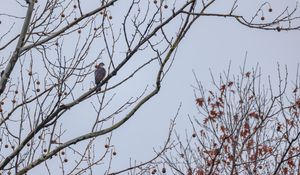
(99,75)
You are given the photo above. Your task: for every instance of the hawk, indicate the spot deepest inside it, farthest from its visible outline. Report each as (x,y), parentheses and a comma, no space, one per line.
(100,73)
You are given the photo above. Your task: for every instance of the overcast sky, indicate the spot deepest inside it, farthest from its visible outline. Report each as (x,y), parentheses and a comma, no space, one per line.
(211,44)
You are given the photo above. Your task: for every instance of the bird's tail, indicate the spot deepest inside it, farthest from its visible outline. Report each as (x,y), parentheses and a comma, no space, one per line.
(98,89)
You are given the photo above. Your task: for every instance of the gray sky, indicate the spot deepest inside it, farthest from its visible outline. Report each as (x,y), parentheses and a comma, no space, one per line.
(211,43)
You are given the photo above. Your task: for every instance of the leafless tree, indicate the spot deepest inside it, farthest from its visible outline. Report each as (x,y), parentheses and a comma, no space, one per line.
(48,64)
(244,127)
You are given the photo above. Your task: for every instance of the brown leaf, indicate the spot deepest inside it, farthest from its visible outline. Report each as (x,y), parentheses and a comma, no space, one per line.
(213,113)
(222,128)
(298,103)
(200,172)
(247,74)
(285,170)
(221,100)
(200,101)
(230,83)
(223,87)
(253,114)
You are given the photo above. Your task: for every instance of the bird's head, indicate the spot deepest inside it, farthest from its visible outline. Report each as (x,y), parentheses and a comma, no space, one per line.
(101,64)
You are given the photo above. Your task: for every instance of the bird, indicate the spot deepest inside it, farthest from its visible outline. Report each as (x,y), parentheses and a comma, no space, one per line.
(100,73)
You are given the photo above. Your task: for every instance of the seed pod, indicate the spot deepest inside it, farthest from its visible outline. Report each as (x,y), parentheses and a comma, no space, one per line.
(114,153)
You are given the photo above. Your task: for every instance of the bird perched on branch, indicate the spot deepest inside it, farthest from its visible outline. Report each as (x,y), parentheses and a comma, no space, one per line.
(100,73)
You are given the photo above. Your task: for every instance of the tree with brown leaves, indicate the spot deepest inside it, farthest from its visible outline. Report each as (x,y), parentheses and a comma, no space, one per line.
(244,126)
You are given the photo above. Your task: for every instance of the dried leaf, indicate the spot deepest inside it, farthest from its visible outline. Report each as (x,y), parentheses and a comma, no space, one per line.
(200,101)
